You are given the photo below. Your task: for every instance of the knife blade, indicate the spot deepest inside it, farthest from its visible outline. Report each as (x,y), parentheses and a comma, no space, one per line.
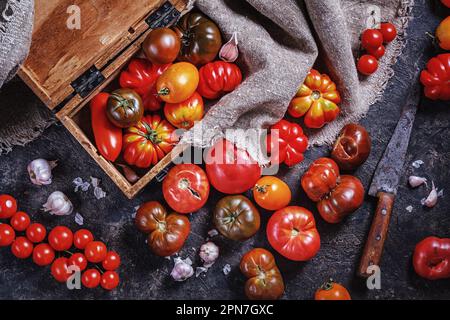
(385,182)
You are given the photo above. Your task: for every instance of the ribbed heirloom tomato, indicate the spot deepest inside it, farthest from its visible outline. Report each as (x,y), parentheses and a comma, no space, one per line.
(218,78)
(436,78)
(184,114)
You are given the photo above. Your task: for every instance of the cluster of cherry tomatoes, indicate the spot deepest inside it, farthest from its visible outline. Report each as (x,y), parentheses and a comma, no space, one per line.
(27,239)
(372,41)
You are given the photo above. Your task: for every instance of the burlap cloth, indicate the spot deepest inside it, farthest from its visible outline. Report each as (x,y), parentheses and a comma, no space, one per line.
(279,42)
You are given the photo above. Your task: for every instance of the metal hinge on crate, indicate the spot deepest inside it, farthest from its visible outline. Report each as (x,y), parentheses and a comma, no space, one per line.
(166,15)
(88,81)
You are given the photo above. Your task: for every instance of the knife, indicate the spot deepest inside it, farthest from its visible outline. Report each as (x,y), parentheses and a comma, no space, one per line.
(385,182)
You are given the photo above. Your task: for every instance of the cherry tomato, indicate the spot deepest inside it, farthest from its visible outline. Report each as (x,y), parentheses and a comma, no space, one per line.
(60,238)
(8,206)
(332,291)
(95,251)
(22,248)
(81,238)
(186,188)
(110,280)
(20,221)
(7,235)
(43,254)
(36,232)
(79,260)
(178,82)
(378,53)
(371,39)
(60,269)
(388,31)
(112,261)
(367,64)
(162,46)
(91,278)
(271,193)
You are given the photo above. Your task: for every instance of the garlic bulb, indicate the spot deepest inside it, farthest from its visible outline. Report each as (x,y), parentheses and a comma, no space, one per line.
(209,253)
(431,200)
(58,204)
(229,51)
(416,181)
(182,270)
(40,171)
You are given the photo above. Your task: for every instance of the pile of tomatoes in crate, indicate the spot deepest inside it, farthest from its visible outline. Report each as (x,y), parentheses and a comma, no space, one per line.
(64,250)
(178,71)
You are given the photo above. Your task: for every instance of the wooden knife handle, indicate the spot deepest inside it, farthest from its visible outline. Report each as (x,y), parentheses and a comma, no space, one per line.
(378,232)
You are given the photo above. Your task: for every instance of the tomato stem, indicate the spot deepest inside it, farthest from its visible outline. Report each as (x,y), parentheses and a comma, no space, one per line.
(164,92)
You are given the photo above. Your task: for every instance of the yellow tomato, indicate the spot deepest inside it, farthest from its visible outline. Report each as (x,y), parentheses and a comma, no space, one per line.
(272,193)
(178,82)
(443,34)
(184,114)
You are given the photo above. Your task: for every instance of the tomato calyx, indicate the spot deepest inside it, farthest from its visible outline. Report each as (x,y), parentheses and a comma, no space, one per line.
(162,226)
(163,92)
(261,189)
(123,103)
(185,184)
(151,134)
(294,232)
(316,95)
(327,286)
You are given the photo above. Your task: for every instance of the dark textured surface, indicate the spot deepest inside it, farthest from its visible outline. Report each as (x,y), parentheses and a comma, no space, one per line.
(145,276)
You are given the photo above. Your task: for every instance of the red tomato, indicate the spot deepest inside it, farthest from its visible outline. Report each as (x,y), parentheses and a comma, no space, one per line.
(43,254)
(110,280)
(388,31)
(20,221)
(431,258)
(79,260)
(186,188)
(22,248)
(332,291)
(292,232)
(378,53)
(81,238)
(60,269)
(446,3)
(436,78)
(108,138)
(8,206)
(218,78)
(95,251)
(112,261)
(231,170)
(7,235)
(60,238)
(367,64)
(91,278)
(36,232)
(371,39)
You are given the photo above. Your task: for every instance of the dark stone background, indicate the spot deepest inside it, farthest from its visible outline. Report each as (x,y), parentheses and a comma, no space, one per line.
(145,276)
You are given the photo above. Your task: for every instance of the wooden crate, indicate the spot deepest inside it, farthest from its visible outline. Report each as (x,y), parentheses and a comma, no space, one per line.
(67,67)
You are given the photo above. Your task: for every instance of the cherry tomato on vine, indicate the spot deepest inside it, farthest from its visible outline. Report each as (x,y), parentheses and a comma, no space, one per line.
(22,248)
(271,193)
(7,235)
(367,64)
(36,232)
(95,251)
(20,221)
(378,53)
(91,278)
(60,238)
(60,269)
(110,280)
(112,261)
(43,254)
(79,260)
(389,32)
(81,238)
(8,206)
(371,39)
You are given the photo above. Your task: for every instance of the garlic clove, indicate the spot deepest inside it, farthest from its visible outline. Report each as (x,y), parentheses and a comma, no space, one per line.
(40,171)
(229,51)
(182,269)
(432,198)
(58,204)
(209,253)
(415,181)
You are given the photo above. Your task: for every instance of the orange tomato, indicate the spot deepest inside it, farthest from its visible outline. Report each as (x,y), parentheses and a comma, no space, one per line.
(178,82)
(443,34)
(184,114)
(332,291)
(272,193)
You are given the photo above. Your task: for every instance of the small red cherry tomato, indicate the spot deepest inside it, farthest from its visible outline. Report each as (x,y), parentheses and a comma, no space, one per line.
(388,31)
(20,221)
(371,39)
(112,261)
(91,278)
(78,260)
(110,280)
(8,206)
(60,269)
(43,254)
(95,251)
(60,238)
(7,235)
(378,53)
(367,64)
(36,232)
(22,248)
(81,238)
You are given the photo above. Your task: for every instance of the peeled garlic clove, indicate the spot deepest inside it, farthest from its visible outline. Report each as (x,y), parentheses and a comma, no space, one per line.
(40,171)
(229,51)
(58,204)
(182,270)
(209,253)
(431,200)
(416,181)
